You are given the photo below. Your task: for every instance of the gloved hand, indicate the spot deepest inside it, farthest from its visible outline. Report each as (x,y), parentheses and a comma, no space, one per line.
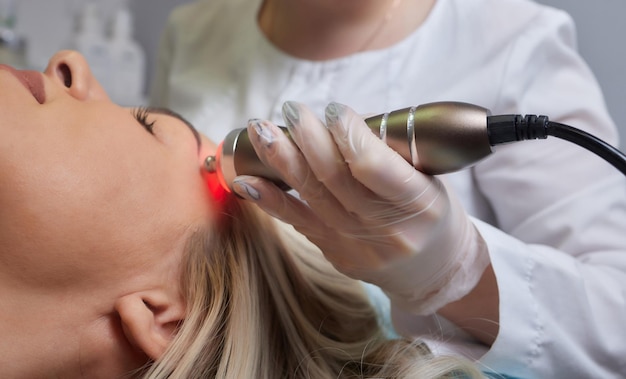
(374,216)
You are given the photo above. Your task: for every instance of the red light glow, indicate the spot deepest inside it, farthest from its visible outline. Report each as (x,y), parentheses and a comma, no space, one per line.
(215,181)
(217,191)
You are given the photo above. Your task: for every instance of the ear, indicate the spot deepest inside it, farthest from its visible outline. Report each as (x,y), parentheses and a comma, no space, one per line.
(150,319)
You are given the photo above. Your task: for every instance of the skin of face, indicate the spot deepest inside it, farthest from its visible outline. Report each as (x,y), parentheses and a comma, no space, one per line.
(94,209)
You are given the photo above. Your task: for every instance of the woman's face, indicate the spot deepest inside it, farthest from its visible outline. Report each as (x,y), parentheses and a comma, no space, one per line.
(88,193)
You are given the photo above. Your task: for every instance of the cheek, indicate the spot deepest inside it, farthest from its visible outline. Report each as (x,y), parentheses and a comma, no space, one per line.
(86,212)
(68,217)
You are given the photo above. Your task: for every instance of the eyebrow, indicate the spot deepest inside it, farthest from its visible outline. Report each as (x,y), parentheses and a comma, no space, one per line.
(169,112)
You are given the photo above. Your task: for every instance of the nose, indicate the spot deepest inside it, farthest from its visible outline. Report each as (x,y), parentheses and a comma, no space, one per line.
(71,71)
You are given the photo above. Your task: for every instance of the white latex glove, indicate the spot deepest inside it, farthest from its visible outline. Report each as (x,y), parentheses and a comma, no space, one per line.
(374,216)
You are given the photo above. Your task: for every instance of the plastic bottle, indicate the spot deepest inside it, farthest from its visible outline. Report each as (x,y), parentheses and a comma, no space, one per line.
(128,61)
(90,40)
(11,44)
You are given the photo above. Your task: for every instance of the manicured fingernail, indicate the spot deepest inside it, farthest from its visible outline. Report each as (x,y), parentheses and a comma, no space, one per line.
(334,112)
(245,190)
(263,131)
(291,113)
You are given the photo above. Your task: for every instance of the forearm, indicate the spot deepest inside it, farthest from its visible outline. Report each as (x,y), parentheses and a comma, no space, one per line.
(477,313)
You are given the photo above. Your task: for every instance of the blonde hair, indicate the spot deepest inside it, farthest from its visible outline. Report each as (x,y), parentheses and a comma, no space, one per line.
(262,302)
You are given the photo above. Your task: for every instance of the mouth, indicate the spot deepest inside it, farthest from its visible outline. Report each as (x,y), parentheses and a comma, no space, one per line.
(32,80)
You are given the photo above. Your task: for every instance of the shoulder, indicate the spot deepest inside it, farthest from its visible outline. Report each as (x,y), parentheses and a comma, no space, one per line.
(205,12)
(508,11)
(508,19)
(490,32)
(197,11)
(205,25)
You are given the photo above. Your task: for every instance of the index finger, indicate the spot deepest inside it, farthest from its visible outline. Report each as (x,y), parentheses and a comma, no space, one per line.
(371,161)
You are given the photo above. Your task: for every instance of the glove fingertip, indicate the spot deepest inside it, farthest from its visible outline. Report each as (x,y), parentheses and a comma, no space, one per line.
(338,116)
(333,112)
(291,113)
(245,187)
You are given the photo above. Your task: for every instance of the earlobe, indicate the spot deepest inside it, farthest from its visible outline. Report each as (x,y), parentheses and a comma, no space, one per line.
(149,321)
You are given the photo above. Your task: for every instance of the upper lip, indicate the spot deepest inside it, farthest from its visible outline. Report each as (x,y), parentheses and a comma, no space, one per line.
(32,80)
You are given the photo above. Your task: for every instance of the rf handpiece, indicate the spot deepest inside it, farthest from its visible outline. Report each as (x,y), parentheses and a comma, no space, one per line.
(436,138)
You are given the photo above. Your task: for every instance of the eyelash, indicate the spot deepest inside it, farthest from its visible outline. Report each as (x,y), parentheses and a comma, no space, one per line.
(141,115)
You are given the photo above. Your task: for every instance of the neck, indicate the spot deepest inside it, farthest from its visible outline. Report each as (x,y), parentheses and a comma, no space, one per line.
(32,344)
(328,29)
(46,335)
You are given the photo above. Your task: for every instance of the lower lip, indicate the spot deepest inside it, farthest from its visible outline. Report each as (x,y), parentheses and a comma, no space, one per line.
(32,80)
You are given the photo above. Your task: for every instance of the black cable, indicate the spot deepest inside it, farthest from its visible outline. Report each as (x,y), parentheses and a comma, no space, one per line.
(589,142)
(511,128)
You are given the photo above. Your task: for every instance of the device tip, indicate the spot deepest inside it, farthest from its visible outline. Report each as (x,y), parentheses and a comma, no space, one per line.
(210,163)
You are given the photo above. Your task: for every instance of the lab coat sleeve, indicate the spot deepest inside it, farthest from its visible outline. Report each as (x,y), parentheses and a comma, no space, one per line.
(559,254)
(559,316)
(557,245)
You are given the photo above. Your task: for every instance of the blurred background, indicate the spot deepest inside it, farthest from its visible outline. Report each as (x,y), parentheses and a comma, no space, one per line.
(32,30)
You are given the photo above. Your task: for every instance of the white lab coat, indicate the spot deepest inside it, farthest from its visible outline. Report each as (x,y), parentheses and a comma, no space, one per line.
(553,215)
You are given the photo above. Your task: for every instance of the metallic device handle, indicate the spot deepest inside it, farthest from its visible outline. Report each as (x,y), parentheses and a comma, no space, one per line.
(436,138)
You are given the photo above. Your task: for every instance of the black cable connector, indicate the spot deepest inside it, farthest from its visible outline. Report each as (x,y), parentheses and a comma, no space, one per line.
(515,127)
(512,128)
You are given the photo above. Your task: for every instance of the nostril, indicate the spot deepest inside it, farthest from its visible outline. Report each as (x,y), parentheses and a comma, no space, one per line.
(64,72)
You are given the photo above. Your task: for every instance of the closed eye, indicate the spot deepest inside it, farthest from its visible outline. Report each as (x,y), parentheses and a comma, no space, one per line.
(141,115)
